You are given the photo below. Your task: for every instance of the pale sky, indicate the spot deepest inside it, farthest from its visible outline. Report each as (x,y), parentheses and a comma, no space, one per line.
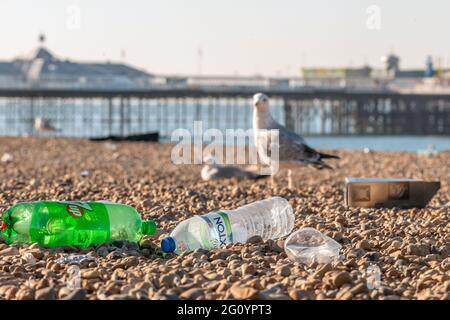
(244,37)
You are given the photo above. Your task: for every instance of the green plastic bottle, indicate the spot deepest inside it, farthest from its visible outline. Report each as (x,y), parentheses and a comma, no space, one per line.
(59,223)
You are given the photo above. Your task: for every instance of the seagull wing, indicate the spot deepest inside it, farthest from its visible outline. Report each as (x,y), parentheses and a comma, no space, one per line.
(288,134)
(291,148)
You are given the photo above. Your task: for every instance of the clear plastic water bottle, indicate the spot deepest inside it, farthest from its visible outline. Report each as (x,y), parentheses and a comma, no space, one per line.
(270,219)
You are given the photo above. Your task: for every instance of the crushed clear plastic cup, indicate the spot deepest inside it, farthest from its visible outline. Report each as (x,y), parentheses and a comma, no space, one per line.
(309,245)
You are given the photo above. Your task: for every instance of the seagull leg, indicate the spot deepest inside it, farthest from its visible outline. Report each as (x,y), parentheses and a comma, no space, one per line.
(272,180)
(289,175)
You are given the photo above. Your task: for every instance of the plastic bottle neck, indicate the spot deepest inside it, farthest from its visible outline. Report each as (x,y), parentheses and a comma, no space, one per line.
(148,227)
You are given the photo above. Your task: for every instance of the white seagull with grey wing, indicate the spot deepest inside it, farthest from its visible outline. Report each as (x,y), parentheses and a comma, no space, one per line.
(43,125)
(292,149)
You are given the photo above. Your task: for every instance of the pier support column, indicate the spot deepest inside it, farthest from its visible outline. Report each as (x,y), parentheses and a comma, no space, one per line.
(288,116)
(110,116)
(122,115)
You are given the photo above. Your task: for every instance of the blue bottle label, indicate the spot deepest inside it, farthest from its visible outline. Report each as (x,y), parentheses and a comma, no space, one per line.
(220,223)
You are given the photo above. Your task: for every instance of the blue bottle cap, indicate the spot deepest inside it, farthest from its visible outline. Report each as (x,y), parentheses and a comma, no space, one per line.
(168,245)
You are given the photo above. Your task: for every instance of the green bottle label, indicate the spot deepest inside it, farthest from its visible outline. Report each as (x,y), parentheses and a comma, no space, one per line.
(69,222)
(76,209)
(220,223)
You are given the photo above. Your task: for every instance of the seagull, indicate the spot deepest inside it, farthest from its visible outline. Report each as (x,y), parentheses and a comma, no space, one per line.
(214,171)
(41,124)
(430,151)
(293,150)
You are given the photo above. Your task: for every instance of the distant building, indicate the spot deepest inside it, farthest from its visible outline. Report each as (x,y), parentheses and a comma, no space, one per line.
(237,82)
(44,70)
(391,64)
(338,77)
(429,71)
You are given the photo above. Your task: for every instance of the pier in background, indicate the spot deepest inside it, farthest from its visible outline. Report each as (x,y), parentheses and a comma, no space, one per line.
(97,113)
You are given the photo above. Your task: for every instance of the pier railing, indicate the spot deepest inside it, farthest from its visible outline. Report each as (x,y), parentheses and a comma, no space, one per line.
(309,111)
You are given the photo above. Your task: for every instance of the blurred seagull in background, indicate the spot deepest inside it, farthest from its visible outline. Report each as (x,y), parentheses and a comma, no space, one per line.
(293,150)
(430,151)
(43,125)
(214,171)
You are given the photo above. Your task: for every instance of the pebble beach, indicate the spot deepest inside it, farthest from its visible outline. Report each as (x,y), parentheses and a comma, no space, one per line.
(411,247)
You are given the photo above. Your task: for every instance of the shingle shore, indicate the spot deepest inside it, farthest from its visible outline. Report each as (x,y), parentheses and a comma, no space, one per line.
(411,247)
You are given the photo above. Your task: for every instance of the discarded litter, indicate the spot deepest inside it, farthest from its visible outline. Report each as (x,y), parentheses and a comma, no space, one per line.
(59,223)
(270,219)
(74,258)
(388,193)
(7,157)
(309,245)
(373,277)
(85,173)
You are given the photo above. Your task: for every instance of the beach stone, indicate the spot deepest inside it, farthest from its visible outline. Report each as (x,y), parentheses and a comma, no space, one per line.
(396,244)
(131,246)
(359,288)
(167,280)
(275,246)
(147,203)
(320,272)
(162,296)
(77,294)
(244,293)
(219,262)
(139,294)
(121,297)
(364,244)
(146,244)
(25,294)
(64,291)
(34,183)
(340,278)
(102,251)
(193,293)
(37,253)
(284,271)
(10,293)
(187,262)
(212,276)
(255,239)
(248,269)
(444,251)
(372,256)
(297,294)
(45,294)
(418,250)
(90,274)
(390,297)
(344,295)
(276,289)
(129,262)
(11,251)
(274,296)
